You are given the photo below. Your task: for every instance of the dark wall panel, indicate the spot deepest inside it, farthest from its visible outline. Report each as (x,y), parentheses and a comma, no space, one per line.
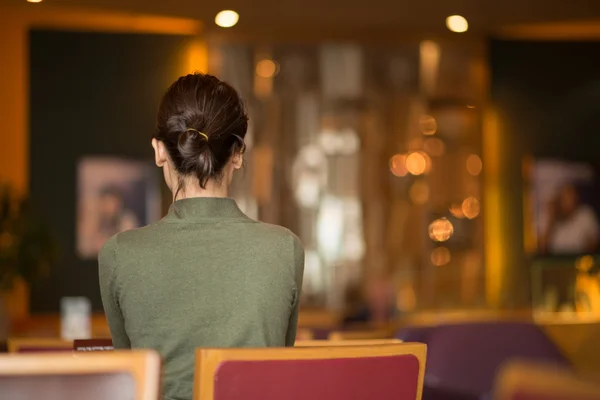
(547,95)
(90,94)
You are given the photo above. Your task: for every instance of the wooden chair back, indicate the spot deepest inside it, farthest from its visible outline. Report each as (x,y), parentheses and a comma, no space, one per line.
(384,372)
(91,376)
(304,334)
(530,381)
(38,345)
(368,342)
(368,334)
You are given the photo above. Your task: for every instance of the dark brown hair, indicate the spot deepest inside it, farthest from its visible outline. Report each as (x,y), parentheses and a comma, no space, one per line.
(202,122)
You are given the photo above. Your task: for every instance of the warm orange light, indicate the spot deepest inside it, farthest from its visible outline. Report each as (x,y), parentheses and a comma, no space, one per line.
(457,23)
(415,144)
(456,210)
(474,165)
(434,146)
(398,165)
(440,256)
(267,68)
(419,192)
(441,230)
(427,125)
(418,163)
(470,207)
(406,300)
(584,264)
(34,1)
(227,18)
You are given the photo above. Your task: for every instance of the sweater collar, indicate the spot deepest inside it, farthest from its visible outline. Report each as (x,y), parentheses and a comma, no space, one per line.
(204,208)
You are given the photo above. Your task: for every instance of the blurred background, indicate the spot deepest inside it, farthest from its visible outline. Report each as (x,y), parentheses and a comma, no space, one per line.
(439,159)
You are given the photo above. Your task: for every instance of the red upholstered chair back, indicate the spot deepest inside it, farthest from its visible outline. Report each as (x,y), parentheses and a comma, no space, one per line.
(383,372)
(528,381)
(93,345)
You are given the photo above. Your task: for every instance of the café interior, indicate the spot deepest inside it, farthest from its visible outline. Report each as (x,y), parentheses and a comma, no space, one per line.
(437,159)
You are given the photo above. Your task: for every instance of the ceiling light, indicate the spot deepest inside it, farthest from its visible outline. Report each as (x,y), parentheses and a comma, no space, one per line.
(457,23)
(227,18)
(34,1)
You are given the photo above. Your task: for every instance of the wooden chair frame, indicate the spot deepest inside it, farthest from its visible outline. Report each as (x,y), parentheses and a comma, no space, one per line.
(386,333)
(540,378)
(366,342)
(14,344)
(208,360)
(143,365)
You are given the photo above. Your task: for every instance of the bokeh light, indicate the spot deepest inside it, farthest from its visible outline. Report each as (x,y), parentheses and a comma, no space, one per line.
(470,207)
(457,23)
(419,192)
(474,164)
(267,68)
(406,299)
(415,144)
(441,230)
(456,210)
(398,165)
(418,163)
(428,125)
(440,256)
(227,18)
(434,147)
(585,263)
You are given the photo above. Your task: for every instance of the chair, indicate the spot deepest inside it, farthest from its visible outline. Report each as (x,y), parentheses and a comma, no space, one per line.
(465,358)
(415,333)
(38,345)
(304,334)
(529,381)
(368,334)
(382,372)
(93,345)
(131,375)
(367,342)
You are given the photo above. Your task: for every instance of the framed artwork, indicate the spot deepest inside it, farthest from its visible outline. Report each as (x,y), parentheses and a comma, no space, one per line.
(562,207)
(113,195)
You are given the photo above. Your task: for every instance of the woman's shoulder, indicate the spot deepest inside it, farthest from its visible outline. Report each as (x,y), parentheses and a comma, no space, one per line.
(276,233)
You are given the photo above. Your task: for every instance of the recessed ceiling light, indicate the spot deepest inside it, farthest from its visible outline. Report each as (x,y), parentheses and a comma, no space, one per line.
(227,18)
(34,1)
(457,23)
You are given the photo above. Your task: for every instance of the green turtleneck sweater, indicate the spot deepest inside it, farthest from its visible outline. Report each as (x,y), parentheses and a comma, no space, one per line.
(206,275)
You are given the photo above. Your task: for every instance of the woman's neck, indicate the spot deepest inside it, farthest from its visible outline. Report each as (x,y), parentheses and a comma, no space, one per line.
(191,190)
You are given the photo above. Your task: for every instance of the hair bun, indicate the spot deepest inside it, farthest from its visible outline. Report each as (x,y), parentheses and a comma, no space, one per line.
(191,143)
(193,106)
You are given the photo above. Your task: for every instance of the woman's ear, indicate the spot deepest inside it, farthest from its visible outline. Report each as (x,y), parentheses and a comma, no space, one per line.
(160,153)
(237,160)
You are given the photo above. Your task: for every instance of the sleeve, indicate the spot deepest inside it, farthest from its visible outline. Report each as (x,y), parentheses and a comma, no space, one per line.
(290,338)
(107,264)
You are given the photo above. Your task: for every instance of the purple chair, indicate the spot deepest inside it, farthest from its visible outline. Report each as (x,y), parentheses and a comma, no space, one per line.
(464,358)
(418,334)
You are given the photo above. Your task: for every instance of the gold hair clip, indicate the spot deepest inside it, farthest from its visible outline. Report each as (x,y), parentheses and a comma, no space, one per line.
(204,135)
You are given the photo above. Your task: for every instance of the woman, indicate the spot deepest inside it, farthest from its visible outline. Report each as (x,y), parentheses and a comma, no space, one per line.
(206,275)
